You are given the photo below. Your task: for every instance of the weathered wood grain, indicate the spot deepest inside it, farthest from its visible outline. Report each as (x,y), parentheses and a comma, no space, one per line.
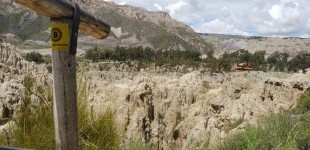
(63,8)
(65,97)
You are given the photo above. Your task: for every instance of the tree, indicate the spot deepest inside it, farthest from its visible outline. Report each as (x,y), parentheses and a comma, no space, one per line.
(224,64)
(257,60)
(213,64)
(244,55)
(300,62)
(278,61)
(210,53)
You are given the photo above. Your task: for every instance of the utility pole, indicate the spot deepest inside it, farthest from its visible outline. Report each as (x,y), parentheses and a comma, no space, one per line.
(67,18)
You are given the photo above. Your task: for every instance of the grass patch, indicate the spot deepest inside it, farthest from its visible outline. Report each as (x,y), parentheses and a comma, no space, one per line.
(303,103)
(136,145)
(275,132)
(289,130)
(95,132)
(32,46)
(234,124)
(47,59)
(34,126)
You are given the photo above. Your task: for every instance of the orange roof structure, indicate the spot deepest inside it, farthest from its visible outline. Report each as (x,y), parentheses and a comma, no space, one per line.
(243,67)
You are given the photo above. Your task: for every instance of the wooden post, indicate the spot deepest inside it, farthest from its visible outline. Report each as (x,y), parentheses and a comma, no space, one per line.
(65,96)
(64,65)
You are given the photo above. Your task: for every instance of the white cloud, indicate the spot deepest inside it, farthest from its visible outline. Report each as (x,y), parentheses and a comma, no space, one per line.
(225,22)
(308,24)
(305,35)
(285,19)
(218,26)
(276,12)
(117,2)
(158,6)
(288,10)
(261,17)
(173,7)
(122,3)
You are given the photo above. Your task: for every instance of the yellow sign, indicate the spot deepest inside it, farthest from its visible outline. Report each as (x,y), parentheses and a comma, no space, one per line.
(60,37)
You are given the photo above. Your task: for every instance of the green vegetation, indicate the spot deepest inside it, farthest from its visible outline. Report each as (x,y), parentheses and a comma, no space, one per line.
(34,126)
(276,62)
(279,62)
(256,60)
(157,35)
(289,130)
(234,124)
(32,27)
(136,144)
(47,59)
(4,25)
(95,132)
(300,62)
(35,57)
(162,39)
(31,120)
(29,29)
(145,55)
(303,105)
(32,46)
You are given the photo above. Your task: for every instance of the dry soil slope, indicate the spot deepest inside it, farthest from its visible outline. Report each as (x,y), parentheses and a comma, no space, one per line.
(228,43)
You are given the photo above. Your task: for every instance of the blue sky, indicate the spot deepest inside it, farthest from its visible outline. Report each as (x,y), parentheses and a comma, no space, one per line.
(279,18)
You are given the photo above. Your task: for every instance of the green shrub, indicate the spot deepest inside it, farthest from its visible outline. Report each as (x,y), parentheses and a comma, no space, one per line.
(299,62)
(47,59)
(145,56)
(303,141)
(234,124)
(34,124)
(95,132)
(275,132)
(289,130)
(35,57)
(304,103)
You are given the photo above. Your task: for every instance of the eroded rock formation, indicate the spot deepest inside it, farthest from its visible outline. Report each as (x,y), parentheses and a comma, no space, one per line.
(13,68)
(190,110)
(193,109)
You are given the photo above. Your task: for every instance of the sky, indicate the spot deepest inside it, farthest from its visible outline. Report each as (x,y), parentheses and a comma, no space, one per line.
(276,18)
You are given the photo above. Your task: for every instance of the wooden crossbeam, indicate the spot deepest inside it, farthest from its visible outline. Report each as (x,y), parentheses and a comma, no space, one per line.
(63,8)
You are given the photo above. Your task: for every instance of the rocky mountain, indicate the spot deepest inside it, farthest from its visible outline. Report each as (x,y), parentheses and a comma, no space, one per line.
(133,26)
(19,24)
(230,43)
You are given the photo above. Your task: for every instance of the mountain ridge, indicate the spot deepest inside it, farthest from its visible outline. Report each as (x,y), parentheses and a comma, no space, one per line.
(137,26)
(230,43)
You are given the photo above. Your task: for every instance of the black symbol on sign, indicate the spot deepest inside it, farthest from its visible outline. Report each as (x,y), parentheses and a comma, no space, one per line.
(56,34)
